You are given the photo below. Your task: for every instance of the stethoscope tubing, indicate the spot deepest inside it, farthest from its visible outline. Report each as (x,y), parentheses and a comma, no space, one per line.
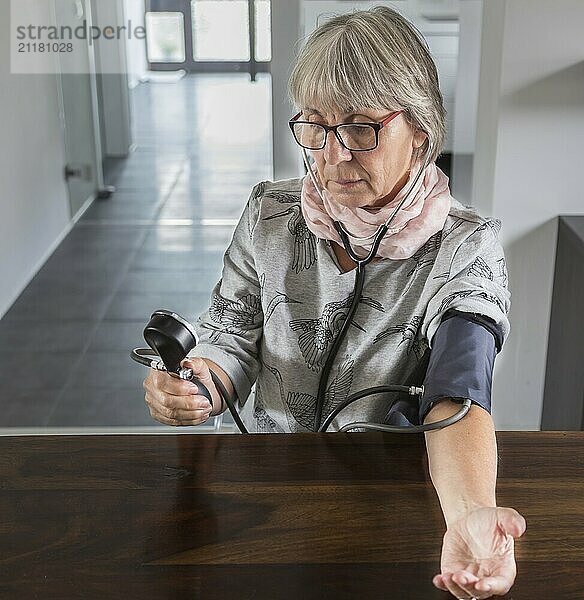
(149,358)
(383,228)
(359,277)
(357,289)
(466,403)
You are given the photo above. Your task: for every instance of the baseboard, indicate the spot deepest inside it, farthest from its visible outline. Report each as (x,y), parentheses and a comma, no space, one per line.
(48,253)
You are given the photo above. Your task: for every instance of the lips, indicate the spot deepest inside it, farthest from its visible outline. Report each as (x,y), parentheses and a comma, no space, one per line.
(346,183)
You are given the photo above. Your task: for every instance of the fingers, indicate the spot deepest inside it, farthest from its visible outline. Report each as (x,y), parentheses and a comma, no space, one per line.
(164,411)
(196,418)
(511,522)
(200,371)
(495,586)
(163,382)
(175,402)
(463,584)
(438,581)
(197,410)
(160,382)
(458,584)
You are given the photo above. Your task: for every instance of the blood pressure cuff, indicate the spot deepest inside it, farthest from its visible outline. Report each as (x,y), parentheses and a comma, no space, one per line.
(461,360)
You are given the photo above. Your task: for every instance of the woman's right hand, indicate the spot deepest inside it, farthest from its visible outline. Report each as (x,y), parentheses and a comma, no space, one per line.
(176,402)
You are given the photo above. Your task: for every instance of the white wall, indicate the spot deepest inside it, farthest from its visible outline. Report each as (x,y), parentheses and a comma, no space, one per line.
(33,196)
(466,98)
(286,30)
(467,82)
(135,49)
(112,61)
(528,170)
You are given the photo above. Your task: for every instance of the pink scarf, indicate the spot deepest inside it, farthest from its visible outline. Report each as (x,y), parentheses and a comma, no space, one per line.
(418,219)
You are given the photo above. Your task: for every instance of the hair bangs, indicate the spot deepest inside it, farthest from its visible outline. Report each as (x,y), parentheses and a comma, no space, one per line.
(328,84)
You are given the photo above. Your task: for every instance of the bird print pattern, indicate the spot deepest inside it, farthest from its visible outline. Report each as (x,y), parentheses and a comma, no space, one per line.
(304,240)
(502,264)
(259,190)
(234,316)
(316,335)
(264,423)
(301,407)
(448,300)
(275,301)
(282,197)
(426,255)
(278,299)
(448,231)
(409,333)
(480,268)
(256,194)
(494,225)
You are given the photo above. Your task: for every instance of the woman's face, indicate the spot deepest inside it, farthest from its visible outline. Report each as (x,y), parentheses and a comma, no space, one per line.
(366,179)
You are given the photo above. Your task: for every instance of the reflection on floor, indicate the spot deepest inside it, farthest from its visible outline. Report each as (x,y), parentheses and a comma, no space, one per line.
(201,144)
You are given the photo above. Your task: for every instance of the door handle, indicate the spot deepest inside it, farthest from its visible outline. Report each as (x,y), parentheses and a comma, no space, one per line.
(77,171)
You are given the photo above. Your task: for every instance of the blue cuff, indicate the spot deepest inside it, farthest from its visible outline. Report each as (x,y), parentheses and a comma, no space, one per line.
(461,361)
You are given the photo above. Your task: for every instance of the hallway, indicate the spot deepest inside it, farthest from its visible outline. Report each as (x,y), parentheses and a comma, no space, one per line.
(201,144)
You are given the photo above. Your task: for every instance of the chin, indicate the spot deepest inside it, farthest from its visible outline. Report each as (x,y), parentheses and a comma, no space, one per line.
(351,199)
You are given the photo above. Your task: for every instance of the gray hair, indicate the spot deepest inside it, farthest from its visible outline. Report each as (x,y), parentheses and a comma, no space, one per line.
(371,59)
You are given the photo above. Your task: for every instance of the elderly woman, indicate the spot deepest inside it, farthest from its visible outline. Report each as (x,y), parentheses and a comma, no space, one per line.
(366,272)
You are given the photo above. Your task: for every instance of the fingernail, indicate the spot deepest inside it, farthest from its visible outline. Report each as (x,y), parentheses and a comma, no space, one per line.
(463,580)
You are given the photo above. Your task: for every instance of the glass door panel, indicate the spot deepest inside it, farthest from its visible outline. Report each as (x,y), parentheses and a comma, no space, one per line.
(165,37)
(209,35)
(220,30)
(263,31)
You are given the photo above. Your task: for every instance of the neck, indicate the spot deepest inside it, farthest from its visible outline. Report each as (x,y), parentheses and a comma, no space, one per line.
(381,202)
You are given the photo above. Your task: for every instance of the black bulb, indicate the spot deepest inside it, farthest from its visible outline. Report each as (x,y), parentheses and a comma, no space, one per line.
(171,337)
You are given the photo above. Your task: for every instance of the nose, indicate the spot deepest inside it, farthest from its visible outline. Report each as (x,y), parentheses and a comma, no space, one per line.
(334,151)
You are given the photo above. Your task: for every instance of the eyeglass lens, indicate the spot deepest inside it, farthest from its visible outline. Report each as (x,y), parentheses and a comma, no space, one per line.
(353,136)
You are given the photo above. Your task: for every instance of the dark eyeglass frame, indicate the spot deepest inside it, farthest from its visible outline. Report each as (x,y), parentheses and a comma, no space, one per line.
(376,126)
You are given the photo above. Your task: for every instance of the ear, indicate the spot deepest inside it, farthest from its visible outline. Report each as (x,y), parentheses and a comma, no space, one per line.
(419,138)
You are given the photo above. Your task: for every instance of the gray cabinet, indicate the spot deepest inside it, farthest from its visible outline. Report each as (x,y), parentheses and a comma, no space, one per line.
(563,404)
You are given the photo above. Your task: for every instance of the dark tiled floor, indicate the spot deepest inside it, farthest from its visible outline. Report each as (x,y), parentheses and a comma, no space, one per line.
(201,144)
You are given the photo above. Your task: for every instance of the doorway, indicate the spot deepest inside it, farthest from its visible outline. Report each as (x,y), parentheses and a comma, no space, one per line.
(79,112)
(209,36)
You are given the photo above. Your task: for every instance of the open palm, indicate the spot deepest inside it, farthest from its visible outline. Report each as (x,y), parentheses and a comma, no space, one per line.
(478,560)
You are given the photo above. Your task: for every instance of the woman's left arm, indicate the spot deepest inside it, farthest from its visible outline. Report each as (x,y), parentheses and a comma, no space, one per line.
(462,460)
(477,554)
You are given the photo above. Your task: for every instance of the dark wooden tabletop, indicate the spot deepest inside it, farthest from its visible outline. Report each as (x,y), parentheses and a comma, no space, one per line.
(304,516)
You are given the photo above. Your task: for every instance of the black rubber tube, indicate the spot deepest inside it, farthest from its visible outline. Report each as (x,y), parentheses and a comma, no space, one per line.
(229,401)
(380,389)
(320,398)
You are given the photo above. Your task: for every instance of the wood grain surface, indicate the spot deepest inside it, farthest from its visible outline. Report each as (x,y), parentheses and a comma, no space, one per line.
(304,516)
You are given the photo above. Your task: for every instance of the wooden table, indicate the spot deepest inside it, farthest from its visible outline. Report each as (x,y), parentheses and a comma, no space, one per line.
(304,516)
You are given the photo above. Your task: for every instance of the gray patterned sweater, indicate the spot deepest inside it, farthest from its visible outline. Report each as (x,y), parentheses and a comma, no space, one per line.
(282,298)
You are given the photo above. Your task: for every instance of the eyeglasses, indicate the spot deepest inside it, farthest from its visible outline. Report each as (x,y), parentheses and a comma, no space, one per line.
(356,137)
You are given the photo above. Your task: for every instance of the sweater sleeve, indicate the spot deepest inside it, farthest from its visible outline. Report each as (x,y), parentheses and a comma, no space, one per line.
(230,329)
(476,282)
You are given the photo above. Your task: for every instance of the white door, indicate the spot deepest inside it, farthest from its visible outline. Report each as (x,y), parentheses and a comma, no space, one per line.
(79,110)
